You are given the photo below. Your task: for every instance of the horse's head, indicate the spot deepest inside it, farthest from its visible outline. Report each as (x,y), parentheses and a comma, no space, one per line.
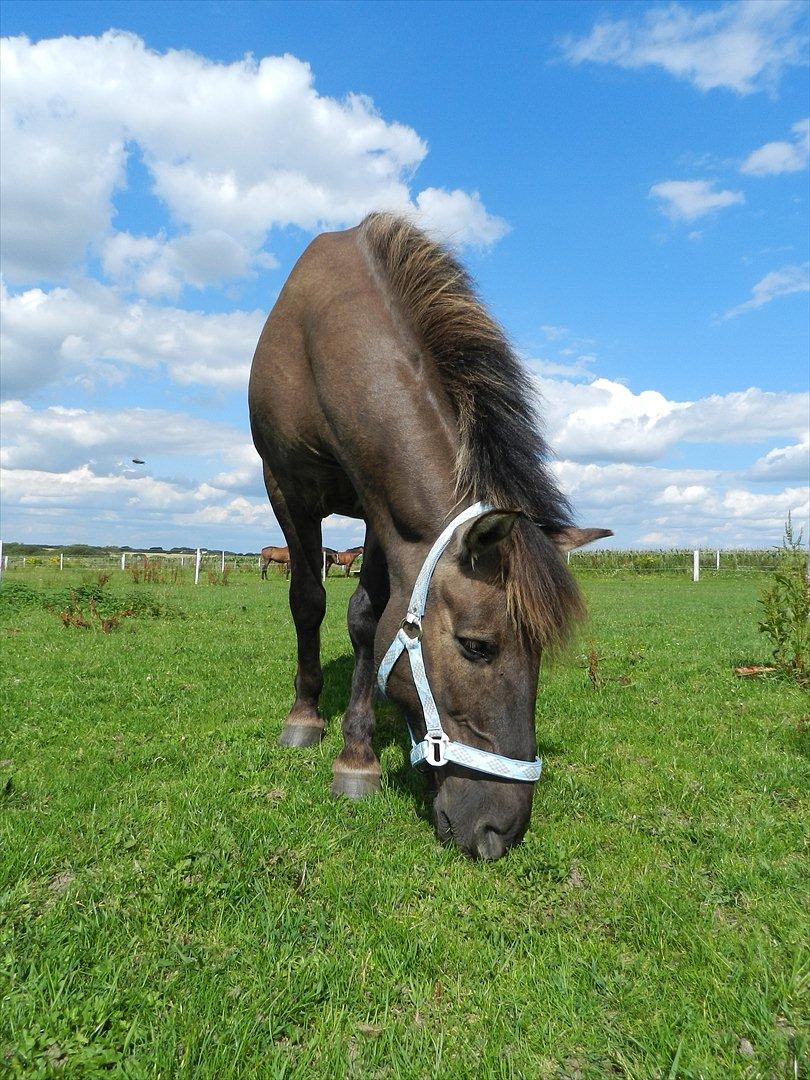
(498,594)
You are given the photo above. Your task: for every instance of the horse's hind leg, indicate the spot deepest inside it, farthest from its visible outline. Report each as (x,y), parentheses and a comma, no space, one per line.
(356,770)
(303,726)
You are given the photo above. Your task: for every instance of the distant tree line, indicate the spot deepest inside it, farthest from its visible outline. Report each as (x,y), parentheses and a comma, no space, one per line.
(76,550)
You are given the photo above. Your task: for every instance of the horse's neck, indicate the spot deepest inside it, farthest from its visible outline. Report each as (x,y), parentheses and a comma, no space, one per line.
(415,495)
(425,492)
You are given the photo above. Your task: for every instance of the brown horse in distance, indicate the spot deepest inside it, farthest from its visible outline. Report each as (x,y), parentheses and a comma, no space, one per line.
(277,555)
(329,557)
(346,558)
(382,389)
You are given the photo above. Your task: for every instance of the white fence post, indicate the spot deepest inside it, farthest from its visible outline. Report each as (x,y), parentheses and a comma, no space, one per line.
(23,557)
(5,562)
(717,560)
(61,560)
(696,565)
(1,557)
(323,571)
(568,557)
(197,567)
(222,564)
(123,560)
(182,561)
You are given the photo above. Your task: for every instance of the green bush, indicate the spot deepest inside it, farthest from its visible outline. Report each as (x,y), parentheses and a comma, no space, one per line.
(786,608)
(16,595)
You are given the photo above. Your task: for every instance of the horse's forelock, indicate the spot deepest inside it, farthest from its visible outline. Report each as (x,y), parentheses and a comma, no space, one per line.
(542,598)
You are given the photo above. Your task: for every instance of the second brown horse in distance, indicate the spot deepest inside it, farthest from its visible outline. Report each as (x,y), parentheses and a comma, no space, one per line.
(346,558)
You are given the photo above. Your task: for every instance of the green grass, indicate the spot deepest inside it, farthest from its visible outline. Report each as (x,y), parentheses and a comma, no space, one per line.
(182,898)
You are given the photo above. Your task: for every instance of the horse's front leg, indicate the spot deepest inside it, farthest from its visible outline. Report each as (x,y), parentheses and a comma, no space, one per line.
(356,770)
(303,726)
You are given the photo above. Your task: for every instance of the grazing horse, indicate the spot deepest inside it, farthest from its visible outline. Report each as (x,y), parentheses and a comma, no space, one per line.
(382,389)
(346,559)
(329,557)
(279,555)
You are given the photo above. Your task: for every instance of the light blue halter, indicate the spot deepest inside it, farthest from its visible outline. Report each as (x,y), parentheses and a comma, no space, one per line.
(437,748)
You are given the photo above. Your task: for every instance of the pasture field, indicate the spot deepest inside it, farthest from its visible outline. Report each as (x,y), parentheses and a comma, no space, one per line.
(180,897)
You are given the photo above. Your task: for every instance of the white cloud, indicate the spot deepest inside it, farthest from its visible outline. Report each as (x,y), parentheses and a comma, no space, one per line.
(679,507)
(57,439)
(458,218)
(233,150)
(91,330)
(68,475)
(685,495)
(686,200)
(579,368)
(784,282)
(554,333)
(643,504)
(156,266)
(70,470)
(243,473)
(606,436)
(768,509)
(781,157)
(606,421)
(79,505)
(742,46)
(784,462)
(82,489)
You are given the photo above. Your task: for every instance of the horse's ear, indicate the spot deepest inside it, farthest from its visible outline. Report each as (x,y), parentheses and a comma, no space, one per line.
(569,538)
(485,533)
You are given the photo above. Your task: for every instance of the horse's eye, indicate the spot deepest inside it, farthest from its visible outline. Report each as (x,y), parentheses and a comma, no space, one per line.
(477,650)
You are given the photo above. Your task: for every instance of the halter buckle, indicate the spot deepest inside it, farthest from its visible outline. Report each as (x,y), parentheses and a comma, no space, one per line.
(436,741)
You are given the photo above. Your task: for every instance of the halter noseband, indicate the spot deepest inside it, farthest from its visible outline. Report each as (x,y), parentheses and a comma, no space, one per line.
(437,749)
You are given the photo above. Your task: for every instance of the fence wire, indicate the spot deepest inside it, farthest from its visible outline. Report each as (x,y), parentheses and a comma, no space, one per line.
(164,564)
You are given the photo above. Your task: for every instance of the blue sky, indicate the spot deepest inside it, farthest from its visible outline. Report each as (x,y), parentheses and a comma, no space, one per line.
(627,182)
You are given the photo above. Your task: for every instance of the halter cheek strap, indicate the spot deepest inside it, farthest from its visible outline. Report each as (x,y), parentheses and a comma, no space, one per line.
(437,749)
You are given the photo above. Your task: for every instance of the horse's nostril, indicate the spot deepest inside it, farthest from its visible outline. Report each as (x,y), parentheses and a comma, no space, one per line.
(491,845)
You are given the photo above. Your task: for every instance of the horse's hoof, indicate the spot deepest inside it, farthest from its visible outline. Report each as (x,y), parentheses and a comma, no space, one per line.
(354,784)
(301,735)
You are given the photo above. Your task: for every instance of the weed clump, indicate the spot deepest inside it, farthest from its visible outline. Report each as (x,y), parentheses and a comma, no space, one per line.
(154,572)
(76,617)
(86,604)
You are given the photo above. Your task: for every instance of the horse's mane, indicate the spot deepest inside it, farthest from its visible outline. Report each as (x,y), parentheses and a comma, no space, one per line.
(502,457)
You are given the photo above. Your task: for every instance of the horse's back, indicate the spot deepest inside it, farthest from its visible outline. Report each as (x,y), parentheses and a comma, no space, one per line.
(282,386)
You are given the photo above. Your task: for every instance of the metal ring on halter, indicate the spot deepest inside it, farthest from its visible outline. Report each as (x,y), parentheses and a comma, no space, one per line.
(411,626)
